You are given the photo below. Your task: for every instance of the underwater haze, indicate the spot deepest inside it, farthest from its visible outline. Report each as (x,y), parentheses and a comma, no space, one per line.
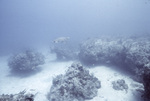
(74,50)
(31,23)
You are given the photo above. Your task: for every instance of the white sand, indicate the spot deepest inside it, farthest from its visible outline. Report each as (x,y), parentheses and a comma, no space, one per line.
(41,82)
(106,93)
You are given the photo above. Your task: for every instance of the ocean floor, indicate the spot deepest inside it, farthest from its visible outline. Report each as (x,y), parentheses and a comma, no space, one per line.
(40,83)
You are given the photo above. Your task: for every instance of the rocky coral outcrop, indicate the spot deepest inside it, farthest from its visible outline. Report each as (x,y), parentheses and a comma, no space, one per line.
(63,53)
(77,84)
(132,53)
(101,51)
(138,53)
(22,96)
(120,85)
(25,61)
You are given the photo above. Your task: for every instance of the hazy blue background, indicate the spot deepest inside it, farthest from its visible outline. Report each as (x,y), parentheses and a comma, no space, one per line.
(25,23)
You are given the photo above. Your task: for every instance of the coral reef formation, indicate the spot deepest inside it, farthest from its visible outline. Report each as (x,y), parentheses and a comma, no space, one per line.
(22,96)
(120,85)
(138,53)
(131,53)
(26,61)
(75,85)
(63,53)
(101,51)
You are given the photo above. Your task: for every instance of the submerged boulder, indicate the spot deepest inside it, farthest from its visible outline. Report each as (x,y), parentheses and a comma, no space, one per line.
(77,84)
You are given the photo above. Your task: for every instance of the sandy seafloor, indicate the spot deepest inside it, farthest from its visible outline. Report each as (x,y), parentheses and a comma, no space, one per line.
(41,82)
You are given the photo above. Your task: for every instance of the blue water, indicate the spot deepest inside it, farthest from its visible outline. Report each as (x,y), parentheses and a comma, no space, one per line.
(32,23)
(35,24)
